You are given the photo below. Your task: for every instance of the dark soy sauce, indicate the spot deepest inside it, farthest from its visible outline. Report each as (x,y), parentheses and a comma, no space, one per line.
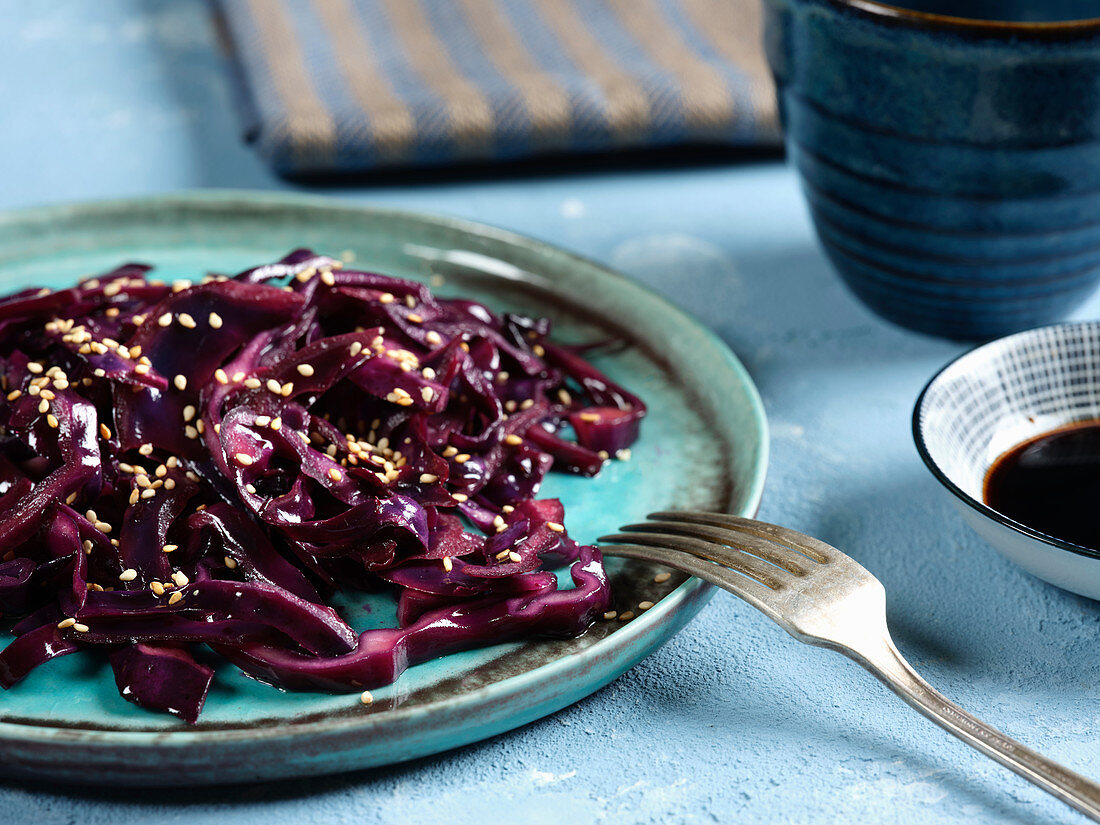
(1052,484)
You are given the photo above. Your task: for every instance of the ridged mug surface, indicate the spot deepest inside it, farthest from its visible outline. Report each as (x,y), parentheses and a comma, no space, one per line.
(952,167)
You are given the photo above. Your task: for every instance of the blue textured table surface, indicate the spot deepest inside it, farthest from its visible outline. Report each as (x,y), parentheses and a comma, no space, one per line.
(732,720)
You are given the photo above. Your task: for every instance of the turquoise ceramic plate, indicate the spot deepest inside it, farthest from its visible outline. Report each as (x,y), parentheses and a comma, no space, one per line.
(704,444)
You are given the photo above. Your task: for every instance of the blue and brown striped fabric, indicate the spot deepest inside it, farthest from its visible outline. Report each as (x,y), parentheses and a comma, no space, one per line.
(352,85)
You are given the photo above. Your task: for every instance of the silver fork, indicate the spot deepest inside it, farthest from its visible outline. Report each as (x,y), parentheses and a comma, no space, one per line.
(822,597)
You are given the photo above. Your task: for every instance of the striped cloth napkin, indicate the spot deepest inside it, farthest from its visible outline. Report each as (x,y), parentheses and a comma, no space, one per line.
(352,85)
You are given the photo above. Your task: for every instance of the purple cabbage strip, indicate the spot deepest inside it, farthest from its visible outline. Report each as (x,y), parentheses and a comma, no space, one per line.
(205,464)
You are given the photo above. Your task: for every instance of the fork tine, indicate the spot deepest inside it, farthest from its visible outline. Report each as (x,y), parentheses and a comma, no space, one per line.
(747,565)
(743,586)
(816,549)
(792,561)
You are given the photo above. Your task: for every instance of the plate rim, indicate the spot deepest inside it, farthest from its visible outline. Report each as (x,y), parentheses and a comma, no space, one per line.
(18,733)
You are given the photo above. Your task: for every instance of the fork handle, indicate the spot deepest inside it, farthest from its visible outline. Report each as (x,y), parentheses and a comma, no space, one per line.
(889,666)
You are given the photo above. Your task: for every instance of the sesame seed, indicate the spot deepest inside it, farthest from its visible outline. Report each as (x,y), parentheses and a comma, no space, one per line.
(434,338)
(610,614)
(462,458)
(169,484)
(327,278)
(448,565)
(276,423)
(498,522)
(14,394)
(253,383)
(142,369)
(147,494)
(661,578)
(64,623)
(103,527)
(161,471)
(157,588)
(244,459)
(645,605)
(146,449)
(215,320)
(180,578)
(587,416)
(459,497)
(81,628)
(428,373)
(427,393)
(220,376)
(175,598)
(508,508)
(170,548)
(238,376)
(180,381)
(189,412)
(287,389)
(34,367)
(172,462)
(385,298)
(190,432)
(603,455)
(87,545)
(539,350)
(414,318)
(200,425)
(334,474)
(428,478)
(180,285)
(261,420)
(555,526)
(502,555)
(366,697)
(51,419)
(305,369)
(274,386)
(165,320)
(514,440)
(128,575)
(43,406)
(627,616)
(623,454)
(514,556)
(230,562)
(135,494)
(356,348)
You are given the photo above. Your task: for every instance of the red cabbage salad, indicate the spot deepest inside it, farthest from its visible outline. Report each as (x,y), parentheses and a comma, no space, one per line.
(187,464)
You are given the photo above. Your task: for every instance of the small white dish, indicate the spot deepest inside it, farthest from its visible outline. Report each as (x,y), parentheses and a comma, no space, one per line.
(995,397)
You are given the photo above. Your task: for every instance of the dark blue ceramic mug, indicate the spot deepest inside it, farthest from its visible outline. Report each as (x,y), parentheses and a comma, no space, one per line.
(951,164)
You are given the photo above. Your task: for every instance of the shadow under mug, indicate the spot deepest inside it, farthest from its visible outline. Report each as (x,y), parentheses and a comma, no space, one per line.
(951,165)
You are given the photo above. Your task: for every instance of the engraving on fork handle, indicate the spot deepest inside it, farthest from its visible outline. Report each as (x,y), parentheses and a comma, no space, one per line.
(891,668)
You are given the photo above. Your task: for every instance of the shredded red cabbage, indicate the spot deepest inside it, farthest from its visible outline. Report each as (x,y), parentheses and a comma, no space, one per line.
(207,464)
